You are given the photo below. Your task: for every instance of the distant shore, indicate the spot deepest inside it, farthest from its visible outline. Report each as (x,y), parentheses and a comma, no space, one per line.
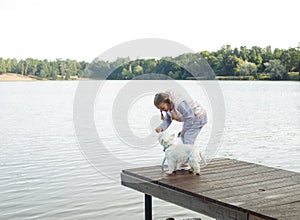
(15,77)
(6,77)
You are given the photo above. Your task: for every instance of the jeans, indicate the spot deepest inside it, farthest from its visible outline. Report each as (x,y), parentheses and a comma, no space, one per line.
(191,134)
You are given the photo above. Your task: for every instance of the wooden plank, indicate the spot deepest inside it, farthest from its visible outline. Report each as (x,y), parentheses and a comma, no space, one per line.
(253,217)
(283,212)
(226,189)
(243,190)
(271,197)
(141,170)
(232,201)
(213,166)
(221,162)
(198,204)
(216,176)
(205,183)
(244,168)
(152,173)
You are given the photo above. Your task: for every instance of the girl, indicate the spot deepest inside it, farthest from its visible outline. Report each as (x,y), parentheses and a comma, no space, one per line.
(190,113)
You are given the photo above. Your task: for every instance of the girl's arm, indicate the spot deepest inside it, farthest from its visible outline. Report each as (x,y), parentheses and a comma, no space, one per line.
(166,123)
(188,115)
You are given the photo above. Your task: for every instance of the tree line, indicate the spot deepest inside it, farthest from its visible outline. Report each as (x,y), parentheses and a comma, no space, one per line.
(254,62)
(58,69)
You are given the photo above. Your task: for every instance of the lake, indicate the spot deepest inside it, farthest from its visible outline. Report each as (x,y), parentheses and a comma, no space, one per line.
(63,144)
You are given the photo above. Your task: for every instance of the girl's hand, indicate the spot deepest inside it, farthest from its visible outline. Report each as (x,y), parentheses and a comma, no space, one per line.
(158,129)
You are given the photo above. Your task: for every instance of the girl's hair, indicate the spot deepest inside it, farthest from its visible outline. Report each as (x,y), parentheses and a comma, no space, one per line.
(161,98)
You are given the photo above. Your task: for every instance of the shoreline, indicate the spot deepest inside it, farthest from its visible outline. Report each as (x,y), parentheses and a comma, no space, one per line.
(11,77)
(7,77)
(14,77)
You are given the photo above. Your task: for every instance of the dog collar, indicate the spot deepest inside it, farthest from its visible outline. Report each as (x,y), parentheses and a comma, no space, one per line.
(166,147)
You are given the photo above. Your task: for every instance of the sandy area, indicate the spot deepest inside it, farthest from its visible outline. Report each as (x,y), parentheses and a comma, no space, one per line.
(14,77)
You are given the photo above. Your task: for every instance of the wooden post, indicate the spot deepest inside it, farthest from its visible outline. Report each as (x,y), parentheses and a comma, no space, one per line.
(148,207)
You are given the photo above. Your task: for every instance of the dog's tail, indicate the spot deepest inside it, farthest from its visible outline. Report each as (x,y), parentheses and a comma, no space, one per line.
(202,158)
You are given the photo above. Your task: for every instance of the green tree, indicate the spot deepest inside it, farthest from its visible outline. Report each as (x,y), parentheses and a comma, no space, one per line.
(276,70)
(98,69)
(137,70)
(227,61)
(82,67)
(267,54)
(67,76)
(2,66)
(8,65)
(19,67)
(71,69)
(14,65)
(174,75)
(127,73)
(54,69)
(62,68)
(42,69)
(277,53)
(244,53)
(119,62)
(292,59)
(24,67)
(257,55)
(149,66)
(31,65)
(248,69)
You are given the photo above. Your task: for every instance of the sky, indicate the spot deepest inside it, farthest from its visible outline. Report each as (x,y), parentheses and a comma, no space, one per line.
(84,29)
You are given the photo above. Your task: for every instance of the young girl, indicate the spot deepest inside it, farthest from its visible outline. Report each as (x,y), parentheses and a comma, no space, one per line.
(190,113)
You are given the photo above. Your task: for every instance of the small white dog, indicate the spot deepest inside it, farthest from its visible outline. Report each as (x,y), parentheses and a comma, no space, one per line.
(179,153)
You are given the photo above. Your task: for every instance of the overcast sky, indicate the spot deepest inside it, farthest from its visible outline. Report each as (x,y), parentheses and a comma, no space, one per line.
(83,29)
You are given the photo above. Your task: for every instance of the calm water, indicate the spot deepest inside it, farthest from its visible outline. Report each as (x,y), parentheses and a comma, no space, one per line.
(45,173)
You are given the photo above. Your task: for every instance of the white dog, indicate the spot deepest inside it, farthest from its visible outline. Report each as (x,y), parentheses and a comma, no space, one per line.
(179,153)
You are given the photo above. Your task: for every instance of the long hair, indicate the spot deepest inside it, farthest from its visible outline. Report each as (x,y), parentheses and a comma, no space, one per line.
(162,98)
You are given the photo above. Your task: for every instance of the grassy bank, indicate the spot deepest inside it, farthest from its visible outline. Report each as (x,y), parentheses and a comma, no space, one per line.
(293,76)
(235,78)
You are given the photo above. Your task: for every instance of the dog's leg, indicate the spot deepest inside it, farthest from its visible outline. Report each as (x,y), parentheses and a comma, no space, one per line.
(195,166)
(172,166)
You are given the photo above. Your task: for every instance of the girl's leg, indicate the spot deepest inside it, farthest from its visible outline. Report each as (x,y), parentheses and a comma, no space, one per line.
(190,135)
(189,138)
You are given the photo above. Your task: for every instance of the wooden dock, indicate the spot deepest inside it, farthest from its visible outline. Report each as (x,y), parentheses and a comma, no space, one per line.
(226,189)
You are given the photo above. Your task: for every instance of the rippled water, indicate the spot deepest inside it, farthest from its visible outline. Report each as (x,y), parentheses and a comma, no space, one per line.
(46,174)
